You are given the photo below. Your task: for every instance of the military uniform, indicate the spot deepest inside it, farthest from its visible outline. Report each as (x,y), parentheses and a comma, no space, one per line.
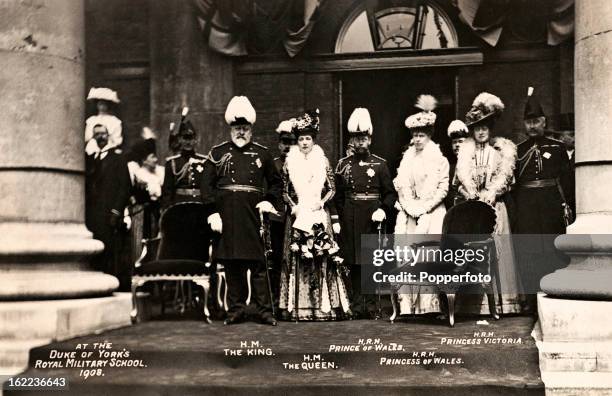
(232,184)
(363,185)
(182,178)
(542,167)
(277,235)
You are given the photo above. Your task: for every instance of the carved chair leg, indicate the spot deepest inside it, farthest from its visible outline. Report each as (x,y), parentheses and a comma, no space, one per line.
(489,288)
(394,305)
(134,312)
(450,297)
(205,284)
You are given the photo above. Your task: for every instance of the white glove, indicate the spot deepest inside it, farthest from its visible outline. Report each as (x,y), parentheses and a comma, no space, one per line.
(266,207)
(336,228)
(127,220)
(215,222)
(378,216)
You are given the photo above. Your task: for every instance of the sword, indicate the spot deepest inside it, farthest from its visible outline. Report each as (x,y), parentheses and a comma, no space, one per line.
(265,235)
(378,290)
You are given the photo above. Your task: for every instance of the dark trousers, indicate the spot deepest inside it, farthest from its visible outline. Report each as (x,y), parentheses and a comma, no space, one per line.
(361,304)
(237,287)
(277,233)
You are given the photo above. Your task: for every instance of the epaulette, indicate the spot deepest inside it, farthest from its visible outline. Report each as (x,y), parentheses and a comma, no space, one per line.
(378,157)
(220,144)
(524,141)
(260,145)
(340,161)
(172,157)
(555,140)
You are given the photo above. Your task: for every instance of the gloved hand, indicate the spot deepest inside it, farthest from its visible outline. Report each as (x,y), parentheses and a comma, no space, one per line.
(266,207)
(378,216)
(215,223)
(127,221)
(336,227)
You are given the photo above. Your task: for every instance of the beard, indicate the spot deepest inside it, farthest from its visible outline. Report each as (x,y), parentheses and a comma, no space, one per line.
(240,141)
(361,150)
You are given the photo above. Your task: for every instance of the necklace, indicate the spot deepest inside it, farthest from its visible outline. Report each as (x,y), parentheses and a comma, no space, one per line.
(482,164)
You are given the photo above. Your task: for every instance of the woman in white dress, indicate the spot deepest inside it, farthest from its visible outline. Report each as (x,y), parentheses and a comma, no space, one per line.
(422,184)
(105,100)
(485,172)
(310,246)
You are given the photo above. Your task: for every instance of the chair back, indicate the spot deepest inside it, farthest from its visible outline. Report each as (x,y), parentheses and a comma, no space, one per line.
(184,231)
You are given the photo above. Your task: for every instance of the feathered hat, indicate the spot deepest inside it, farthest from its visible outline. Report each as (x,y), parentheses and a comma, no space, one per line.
(307,124)
(457,129)
(426,118)
(103,94)
(485,107)
(285,129)
(360,123)
(147,145)
(240,111)
(533,108)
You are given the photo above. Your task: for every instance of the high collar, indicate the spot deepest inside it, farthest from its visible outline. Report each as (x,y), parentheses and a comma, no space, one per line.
(188,153)
(362,156)
(243,148)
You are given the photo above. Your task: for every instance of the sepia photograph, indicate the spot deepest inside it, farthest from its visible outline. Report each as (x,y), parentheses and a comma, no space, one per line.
(306,197)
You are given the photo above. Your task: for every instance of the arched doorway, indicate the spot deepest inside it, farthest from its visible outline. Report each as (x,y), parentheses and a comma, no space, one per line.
(404,28)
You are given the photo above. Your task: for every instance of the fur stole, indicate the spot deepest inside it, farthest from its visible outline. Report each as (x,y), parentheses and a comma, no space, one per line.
(417,167)
(499,166)
(307,173)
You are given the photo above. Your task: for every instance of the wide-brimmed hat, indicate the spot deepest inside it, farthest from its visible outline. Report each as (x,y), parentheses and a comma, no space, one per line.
(103,94)
(360,122)
(485,107)
(426,118)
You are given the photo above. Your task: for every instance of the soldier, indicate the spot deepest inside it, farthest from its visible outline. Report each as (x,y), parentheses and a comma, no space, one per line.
(183,170)
(286,139)
(457,132)
(364,190)
(107,194)
(233,188)
(541,178)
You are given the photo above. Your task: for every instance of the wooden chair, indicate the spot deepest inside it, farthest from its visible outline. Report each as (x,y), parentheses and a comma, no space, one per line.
(180,253)
(469,226)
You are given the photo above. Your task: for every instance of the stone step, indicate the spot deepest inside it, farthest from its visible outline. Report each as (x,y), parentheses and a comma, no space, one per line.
(189,357)
(63,319)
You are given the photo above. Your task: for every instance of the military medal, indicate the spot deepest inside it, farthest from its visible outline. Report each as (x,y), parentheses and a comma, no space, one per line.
(371,172)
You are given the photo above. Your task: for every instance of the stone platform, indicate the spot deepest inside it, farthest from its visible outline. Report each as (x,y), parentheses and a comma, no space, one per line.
(190,357)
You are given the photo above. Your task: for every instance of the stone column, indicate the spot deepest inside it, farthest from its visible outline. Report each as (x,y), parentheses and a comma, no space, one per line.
(44,245)
(575,313)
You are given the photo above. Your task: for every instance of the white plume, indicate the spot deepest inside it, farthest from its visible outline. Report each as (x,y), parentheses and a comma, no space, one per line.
(457,126)
(240,107)
(426,103)
(360,121)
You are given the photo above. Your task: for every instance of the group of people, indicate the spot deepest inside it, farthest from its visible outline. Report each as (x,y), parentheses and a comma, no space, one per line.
(317,212)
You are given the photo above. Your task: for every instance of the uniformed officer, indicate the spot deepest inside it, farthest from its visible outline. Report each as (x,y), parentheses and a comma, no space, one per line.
(183,170)
(233,188)
(541,178)
(107,194)
(286,139)
(364,190)
(457,132)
